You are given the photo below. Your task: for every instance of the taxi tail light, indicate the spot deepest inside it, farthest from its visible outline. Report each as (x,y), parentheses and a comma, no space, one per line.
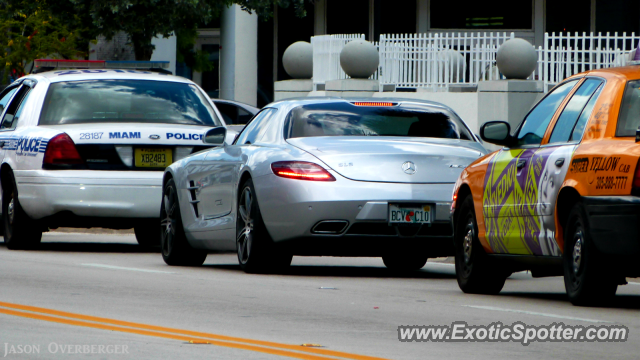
(61,150)
(301,170)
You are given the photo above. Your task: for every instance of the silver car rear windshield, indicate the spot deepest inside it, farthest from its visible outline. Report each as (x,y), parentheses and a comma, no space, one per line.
(346,119)
(126,101)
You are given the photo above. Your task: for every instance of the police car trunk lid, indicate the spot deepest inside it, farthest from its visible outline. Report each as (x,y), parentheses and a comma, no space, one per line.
(114,146)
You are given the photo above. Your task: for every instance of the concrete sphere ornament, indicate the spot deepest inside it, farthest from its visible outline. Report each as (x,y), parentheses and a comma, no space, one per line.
(297,60)
(359,59)
(516,59)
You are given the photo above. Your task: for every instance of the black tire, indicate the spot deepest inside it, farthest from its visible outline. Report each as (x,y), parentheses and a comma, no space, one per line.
(20,231)
(148,232)
(255,248)
(176,250)
(474,271)
(403,262)
(587,275)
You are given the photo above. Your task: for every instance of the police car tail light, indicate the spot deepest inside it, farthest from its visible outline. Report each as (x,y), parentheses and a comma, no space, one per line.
(61,150)
(301,170)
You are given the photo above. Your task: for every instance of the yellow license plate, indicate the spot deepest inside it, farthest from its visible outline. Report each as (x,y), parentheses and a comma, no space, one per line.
(153,158)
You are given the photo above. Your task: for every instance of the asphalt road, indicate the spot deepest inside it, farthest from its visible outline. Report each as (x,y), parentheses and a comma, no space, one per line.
(104,290)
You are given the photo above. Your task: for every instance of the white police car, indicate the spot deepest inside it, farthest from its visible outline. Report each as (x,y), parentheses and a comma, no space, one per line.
(87,147)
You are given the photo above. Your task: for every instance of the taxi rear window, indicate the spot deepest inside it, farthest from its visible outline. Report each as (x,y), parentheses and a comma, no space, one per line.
(629,118)
(126,101)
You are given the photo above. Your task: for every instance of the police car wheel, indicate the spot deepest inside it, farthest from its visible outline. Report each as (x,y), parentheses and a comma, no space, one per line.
(175,247)
(20,231)
(586,276)
(476,274)
(404,262)
(255,248)
(148,232)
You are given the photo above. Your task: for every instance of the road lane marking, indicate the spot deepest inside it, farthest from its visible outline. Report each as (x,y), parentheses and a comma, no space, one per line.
(111,267)
(176,334)
(493,308)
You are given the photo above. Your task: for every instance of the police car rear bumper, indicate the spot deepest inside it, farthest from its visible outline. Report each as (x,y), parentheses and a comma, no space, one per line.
(614,223)
(111,194)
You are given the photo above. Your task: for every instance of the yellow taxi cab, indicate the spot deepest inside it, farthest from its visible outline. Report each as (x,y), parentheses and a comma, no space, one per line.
(562,196)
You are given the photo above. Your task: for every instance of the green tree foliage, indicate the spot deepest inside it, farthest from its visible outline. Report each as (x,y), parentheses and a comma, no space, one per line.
(142,20)
(28,31)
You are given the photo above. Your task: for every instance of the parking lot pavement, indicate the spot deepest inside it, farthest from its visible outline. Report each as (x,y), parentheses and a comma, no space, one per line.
(104,290)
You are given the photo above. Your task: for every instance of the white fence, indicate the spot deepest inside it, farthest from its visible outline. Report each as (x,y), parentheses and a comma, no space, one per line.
(564,55)
(326,56)
(438,60)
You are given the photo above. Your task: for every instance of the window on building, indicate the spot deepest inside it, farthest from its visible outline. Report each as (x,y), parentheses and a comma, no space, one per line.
(350,17)
(498,14)
(618,15)
(568,16)
(387,14)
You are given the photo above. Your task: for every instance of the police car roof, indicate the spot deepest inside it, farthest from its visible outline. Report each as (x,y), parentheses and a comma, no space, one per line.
(105,74)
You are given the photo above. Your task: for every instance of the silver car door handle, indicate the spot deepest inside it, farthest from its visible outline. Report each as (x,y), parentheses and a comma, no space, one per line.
(560,162)
(521,164)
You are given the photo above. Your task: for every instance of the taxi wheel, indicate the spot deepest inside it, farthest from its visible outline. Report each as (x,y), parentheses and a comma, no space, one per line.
(404,262)
(256,251)
(20,231)
(175,247)
(474,271)
(586,278)
(148,233)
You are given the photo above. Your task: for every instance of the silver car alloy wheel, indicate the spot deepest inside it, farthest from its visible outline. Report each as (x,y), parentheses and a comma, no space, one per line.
(167,223)
(245,237)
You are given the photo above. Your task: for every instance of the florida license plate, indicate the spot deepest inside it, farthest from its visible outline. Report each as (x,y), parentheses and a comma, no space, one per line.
(153,157)
(399,214)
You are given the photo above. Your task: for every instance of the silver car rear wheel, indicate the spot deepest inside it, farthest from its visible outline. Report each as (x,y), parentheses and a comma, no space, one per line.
(256,251)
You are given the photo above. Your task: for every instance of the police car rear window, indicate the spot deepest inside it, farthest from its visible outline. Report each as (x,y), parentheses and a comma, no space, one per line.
(126,101)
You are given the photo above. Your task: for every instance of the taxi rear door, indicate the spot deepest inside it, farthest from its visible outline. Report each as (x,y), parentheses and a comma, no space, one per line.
(555,158)
(511,181)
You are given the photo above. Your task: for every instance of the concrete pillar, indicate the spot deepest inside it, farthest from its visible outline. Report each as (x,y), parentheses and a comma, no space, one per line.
(239,55)
(507,100)
(320,17)
(422,16)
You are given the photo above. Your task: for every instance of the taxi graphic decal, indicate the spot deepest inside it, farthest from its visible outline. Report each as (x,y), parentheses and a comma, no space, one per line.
(519,201)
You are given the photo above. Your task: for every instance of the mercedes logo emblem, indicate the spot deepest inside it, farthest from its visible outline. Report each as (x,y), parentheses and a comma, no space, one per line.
(154,137)
(409,167)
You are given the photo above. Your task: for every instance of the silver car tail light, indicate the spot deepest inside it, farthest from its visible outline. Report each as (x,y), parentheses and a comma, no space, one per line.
(301,170)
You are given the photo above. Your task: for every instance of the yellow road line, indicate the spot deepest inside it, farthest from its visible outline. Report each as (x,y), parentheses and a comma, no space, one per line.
(177,334)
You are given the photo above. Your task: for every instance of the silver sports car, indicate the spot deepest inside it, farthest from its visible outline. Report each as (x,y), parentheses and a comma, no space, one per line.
(321,176)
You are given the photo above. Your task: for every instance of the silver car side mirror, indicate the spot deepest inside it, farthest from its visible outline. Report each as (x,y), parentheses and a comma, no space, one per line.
(215,136)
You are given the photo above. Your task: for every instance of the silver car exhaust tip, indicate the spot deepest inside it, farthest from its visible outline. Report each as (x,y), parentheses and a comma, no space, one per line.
(330,227)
